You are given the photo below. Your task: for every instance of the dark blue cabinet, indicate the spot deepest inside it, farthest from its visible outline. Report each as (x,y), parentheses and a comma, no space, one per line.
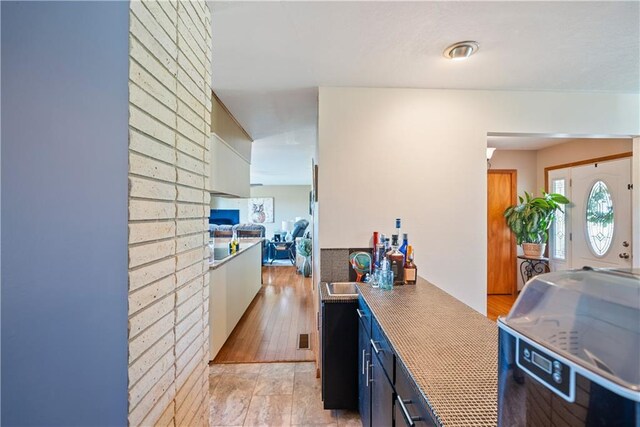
(364,372)
(382,395)
(375,387)
(339,354)
(387,396)
(410,411)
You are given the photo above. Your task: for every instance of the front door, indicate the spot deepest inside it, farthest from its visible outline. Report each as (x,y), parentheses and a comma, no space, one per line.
(501,245)
(601,214)
(596,229)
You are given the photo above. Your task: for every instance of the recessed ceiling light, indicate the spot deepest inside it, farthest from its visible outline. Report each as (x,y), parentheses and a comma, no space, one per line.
(461,50)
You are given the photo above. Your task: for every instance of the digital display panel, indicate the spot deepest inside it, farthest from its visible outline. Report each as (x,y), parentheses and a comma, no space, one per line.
(541,362)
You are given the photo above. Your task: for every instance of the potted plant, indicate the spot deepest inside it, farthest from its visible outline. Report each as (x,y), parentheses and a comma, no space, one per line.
(531,218)
(304,248)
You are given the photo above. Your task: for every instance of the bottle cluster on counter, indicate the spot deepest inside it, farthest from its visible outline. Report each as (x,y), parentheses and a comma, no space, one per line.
(393,263)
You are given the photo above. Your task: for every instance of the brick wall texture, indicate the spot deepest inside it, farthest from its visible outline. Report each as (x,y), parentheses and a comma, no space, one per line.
(169,151)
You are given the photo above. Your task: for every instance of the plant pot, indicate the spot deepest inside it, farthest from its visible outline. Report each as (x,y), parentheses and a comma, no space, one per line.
(533,250)
(306,267)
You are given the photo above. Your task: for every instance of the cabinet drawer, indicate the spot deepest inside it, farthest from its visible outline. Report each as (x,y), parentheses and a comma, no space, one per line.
(364,313)
(409,406)
(380,347)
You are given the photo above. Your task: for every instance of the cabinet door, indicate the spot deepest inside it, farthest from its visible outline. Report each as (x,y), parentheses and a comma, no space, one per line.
(410,408)
(364,372)
(381,396)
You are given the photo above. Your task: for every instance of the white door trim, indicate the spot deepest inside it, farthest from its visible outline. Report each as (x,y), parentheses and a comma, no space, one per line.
(635,203)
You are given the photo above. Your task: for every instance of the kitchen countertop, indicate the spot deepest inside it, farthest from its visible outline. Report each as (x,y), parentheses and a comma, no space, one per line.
(245,245)
(449,349)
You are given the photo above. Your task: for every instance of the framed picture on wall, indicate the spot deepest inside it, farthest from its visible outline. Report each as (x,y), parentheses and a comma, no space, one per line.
(260,210)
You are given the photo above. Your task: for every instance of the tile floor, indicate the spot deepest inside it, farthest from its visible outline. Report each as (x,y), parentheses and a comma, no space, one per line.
(270,394)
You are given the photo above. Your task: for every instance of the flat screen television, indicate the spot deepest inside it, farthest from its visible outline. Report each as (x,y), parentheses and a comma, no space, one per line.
(224,216)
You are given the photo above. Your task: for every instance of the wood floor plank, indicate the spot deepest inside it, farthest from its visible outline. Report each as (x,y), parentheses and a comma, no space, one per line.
(499,305)
(268,331)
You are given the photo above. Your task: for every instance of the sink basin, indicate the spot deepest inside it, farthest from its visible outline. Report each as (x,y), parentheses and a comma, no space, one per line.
(342,289)
(220,253)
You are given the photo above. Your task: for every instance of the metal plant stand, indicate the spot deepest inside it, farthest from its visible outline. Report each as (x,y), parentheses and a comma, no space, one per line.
(531,266)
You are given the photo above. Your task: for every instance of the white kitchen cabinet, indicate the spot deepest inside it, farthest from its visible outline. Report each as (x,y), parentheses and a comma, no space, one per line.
(229,170)
(232,287)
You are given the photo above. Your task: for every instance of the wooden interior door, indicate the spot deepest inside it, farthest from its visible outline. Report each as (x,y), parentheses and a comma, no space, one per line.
(501,244)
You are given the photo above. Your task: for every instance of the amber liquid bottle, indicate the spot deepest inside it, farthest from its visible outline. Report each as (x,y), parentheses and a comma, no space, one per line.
(396,259)
(410,269)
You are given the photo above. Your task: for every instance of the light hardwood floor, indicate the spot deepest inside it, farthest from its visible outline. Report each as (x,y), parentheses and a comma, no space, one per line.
(499,305)
(270,394)
(268,331)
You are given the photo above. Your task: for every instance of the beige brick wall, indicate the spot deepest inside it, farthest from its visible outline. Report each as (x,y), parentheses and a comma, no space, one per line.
(169,149)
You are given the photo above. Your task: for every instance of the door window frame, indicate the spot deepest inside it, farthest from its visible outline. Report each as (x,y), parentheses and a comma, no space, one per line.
(553,170)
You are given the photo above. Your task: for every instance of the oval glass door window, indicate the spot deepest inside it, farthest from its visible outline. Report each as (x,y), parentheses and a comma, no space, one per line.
(600,218)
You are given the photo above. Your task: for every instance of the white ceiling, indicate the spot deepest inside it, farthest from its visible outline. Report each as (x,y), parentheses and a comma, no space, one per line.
(270,57)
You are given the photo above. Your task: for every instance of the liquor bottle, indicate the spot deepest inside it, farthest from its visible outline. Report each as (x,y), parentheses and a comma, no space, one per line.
(396,259)
(398,222)
(410,269)
(380,251)
(376,239)
(405,243)
(234,243)
(385,275)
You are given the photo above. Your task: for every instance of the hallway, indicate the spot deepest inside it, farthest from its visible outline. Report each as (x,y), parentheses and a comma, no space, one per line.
(272,394)
(269,330)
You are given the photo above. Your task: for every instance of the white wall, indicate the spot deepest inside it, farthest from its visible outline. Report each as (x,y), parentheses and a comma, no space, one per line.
(429,150)
(290,201)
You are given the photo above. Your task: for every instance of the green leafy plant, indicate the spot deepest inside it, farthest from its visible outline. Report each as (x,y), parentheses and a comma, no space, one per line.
(531,218)
(304,247)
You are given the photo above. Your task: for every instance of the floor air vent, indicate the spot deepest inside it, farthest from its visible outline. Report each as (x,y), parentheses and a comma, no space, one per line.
(303,342)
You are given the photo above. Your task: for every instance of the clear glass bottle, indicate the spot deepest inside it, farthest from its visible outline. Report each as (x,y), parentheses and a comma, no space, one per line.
(396,260)
(410,269)
(385,275)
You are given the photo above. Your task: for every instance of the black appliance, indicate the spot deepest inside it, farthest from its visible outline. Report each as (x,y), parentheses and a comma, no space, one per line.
(569,351)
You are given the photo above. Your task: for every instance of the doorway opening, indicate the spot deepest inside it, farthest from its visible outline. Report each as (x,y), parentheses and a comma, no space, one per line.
(541,163)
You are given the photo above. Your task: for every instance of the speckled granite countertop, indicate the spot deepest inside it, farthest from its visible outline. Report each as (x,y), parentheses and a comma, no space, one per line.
(245,245)
(449,349)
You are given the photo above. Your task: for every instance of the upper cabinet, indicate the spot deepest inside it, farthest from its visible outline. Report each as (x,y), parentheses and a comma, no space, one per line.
(230,153)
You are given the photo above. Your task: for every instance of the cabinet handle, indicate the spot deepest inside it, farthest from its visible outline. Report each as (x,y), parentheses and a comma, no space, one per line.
(360,314)
(364,352)
(368,380)
(409,420)
(375,347)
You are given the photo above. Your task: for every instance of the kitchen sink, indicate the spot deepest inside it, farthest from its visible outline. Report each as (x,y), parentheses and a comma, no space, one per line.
(342,289)
(220,253)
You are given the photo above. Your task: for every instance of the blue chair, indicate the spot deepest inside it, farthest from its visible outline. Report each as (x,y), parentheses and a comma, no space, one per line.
(289,247)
